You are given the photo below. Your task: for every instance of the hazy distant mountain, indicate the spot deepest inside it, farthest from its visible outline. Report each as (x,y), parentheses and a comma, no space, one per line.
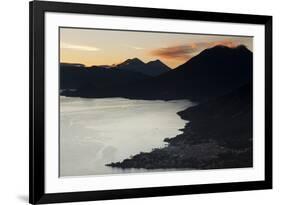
(152,68)
(213,72)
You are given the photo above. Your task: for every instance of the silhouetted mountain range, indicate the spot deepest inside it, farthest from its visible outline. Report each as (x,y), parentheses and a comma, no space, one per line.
(213,72)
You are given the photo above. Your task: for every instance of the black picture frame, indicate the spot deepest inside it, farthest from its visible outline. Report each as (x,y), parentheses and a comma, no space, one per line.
(37,194)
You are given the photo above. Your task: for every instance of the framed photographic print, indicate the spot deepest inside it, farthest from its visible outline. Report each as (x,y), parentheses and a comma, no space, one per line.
(140,102)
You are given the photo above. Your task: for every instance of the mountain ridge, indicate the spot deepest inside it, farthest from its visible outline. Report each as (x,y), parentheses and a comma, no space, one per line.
(211,73)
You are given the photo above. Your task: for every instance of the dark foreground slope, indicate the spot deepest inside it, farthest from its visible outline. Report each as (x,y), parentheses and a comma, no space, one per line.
(219,135)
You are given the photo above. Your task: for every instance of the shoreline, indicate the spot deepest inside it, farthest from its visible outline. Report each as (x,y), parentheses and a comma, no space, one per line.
(186,151)
(218,135)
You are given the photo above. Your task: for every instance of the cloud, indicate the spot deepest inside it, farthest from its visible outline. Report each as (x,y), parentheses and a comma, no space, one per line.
(178,52)
(227,43)
(79,47)
(137,47)
(185,52)
(134,47)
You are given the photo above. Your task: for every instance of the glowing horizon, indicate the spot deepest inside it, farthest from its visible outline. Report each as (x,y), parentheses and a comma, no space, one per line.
(110,47)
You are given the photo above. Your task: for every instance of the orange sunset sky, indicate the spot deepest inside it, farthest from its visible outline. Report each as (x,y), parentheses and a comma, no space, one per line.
(108,47)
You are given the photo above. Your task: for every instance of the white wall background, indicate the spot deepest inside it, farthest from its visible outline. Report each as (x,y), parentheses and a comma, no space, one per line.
(14,100)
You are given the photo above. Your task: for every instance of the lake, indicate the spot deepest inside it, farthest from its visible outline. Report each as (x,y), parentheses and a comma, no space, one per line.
(95,132)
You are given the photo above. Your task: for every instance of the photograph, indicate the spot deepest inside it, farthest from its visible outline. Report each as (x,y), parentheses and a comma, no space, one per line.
(132,102)
(148,101)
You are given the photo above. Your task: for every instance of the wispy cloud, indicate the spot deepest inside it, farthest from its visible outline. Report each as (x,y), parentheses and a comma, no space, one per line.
(137,47)
(185,52)
(134,47)
(174,52)
(79,47)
